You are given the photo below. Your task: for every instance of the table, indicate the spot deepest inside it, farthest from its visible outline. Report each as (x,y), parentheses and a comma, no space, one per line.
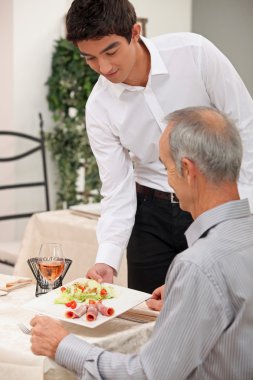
(77,234)
(18,362)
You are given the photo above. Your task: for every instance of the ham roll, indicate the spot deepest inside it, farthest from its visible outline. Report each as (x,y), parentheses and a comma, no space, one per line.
(104,310)
(92,313)
(77,313)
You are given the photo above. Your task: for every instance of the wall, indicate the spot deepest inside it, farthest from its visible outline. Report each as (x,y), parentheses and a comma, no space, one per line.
(6,32)
(6,102)
(229,25)
(37,24)
(164,16)
(27,31)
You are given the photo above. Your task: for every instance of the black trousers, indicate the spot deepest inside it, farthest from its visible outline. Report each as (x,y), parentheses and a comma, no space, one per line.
(157,237)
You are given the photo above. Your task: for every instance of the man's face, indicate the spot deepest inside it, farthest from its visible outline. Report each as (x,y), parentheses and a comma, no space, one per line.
(111,56)
(175,179)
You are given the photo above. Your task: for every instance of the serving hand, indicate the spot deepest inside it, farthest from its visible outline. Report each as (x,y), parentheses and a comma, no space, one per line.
(101,273)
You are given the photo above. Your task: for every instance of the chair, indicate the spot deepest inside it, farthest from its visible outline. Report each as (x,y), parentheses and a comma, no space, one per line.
(9,250)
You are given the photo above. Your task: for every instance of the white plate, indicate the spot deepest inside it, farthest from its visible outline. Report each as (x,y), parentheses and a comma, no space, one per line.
(127,298)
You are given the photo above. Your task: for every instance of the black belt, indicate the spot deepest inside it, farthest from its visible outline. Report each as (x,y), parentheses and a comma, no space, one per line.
(153,193)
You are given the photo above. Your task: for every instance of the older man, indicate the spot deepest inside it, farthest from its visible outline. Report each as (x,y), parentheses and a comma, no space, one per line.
(204,330)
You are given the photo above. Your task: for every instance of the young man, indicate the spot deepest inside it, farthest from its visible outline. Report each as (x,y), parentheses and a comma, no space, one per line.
(141,81)
(204,330)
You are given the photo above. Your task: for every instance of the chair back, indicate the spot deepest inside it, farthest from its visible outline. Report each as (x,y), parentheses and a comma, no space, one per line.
(38,146)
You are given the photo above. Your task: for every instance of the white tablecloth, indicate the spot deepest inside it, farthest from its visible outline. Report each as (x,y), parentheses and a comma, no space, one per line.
(18,362)
(77,235)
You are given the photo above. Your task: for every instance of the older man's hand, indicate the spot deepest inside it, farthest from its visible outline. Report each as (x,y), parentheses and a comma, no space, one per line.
(47,333)
(156,301)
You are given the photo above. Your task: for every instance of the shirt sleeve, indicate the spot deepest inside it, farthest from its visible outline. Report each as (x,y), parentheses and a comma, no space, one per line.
(118,205)
(228,93)
(84,359)
(190,323)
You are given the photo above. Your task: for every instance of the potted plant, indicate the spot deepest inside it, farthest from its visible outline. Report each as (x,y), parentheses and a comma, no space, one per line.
(69,86)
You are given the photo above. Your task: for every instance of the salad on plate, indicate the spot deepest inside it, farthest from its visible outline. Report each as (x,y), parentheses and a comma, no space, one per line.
(89,294)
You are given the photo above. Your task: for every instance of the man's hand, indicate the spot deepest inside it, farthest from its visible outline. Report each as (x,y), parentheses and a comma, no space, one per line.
(101,273)
(156,301)
(47,333)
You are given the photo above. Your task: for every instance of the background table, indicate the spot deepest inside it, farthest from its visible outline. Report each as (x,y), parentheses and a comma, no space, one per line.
(77,234)
(18,362)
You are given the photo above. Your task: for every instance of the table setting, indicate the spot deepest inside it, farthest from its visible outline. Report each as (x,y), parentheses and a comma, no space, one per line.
(125,329)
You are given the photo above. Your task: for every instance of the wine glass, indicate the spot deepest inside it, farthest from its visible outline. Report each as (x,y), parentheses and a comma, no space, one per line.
(50,262)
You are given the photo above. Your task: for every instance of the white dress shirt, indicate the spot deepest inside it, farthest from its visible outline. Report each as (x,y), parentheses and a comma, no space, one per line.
(204,331)
(124,125)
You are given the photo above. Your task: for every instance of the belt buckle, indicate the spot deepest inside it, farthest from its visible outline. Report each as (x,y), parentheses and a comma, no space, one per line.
(172,198)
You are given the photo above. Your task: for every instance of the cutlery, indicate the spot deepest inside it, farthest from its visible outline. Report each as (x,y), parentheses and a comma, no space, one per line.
(139,319)
(24,328)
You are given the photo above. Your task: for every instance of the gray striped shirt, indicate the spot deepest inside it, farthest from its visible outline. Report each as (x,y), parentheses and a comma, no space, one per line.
(205,329)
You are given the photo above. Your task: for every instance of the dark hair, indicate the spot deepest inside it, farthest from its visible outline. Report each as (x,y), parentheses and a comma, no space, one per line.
(95,19)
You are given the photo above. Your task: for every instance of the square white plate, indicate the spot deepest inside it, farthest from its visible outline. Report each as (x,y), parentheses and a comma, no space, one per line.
(127,298)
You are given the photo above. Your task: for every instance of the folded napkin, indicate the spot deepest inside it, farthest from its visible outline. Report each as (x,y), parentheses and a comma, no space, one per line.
(8,283)
(140,313)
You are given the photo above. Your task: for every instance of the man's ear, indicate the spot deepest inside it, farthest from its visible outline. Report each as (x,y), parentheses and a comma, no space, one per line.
(188,169)
(136,31)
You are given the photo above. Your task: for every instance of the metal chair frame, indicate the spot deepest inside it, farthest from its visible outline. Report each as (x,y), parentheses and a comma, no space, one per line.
(41,146)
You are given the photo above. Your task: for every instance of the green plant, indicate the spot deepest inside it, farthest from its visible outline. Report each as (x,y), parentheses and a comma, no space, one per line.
(69,86)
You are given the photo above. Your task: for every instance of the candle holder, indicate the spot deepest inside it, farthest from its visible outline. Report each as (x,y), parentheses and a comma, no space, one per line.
(42,286)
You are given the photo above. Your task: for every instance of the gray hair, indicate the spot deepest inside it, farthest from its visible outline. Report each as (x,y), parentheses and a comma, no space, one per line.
(210,139)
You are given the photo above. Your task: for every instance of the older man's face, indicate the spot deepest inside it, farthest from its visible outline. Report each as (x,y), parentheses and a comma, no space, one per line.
(175,179)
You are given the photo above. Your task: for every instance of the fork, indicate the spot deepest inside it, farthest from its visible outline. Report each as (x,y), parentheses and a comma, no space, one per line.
(24,329)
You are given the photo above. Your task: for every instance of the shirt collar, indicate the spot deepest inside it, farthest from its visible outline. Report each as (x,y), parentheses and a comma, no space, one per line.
(210,218)
(157,68)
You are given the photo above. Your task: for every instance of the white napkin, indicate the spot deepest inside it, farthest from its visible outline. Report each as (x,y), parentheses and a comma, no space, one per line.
(8,283)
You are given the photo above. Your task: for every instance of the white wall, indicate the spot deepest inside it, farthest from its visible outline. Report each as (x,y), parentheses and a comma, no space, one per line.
(37,24)
(6,101)
(28,29)
(164,16)
(6,32)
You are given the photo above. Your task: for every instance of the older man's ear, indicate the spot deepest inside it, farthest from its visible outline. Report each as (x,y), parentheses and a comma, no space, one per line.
(189,170)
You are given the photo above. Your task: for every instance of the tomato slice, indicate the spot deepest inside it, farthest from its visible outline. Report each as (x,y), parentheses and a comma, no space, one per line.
(63,289)
(103,292)
(73,304)
(68,304)
(91,302)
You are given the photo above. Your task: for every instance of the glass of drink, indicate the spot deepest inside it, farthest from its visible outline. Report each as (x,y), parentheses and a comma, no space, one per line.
(50,262)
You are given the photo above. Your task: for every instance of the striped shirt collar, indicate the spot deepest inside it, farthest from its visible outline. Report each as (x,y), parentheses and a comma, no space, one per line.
(157,68)
(219,214)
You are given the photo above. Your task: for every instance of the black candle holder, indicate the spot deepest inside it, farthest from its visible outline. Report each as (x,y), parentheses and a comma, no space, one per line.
(42,286)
